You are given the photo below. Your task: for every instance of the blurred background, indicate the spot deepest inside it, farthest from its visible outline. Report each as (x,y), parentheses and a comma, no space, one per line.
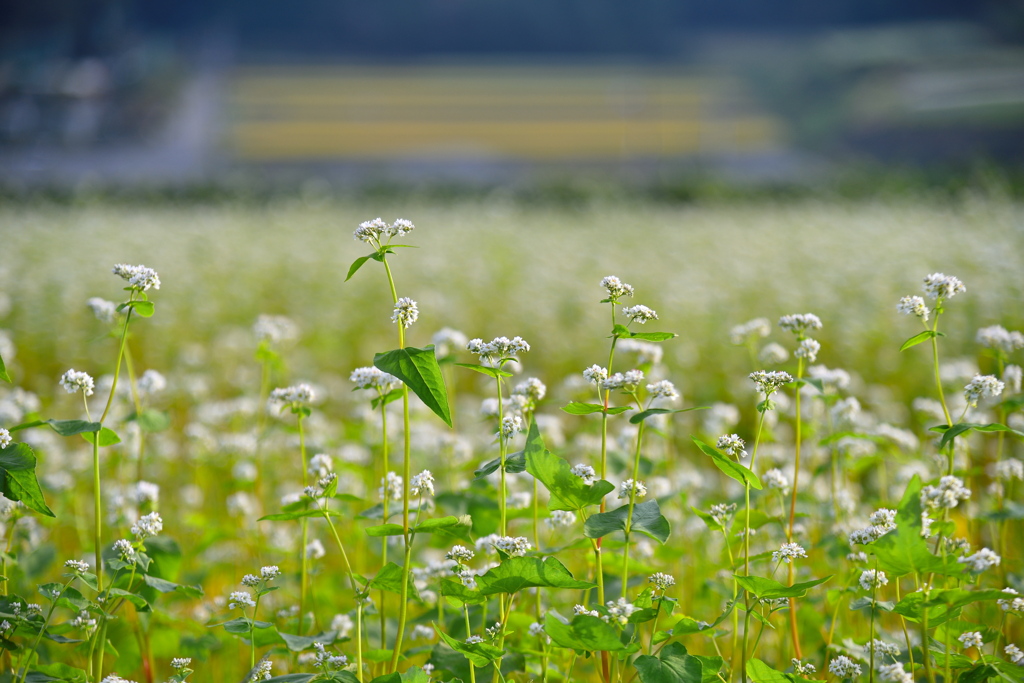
(124,92)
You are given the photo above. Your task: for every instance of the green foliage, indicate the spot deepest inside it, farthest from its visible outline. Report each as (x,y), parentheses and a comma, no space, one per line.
(647,519)
(568,492)
(516,573)
(584,633)
(672,665)
(729,467)
(419,370)
(18,478)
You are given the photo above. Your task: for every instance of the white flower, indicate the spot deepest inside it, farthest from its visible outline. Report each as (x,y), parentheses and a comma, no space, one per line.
(639,314)
(843,667)
(73,380)
(320,465)
(941,286)
(5,438)
(270,572)
(798,323)
(147,493)
(343,624)
(773,354)
(532,388)
(584,472)
(980,561)
(768,382)
(1015,604)
(422,484)
(422,632)
(301,393)
(947,494)
(616,288)
(148,525)
(1014,654)
(114,678)
(750,330)
(373,378)
(982,386)
(472,640)
(125,550)
(895,672)
(997,337)
(663,389)
(661,580)
(105,311)
(619,610)
(775,479)
(510,426)
(179,663)
(498,348)
(520,500)
(77,566)
(371,231)
(913,305)
(275,329)
(152,382)
(808,349)
(446,340)
(721,513)
(628,381)
(315,549)
(732,444)
(596,374)
(626,487)
(580,609)
(250,580)
(802,668)
(405,312)
(646,352)
(391,487)
(401,227)
(460,554)
(536,628)
(882,647)
(139,278)
(514,547)
(831,378)
(262,671)
(561,518)
(241,600)
(873,579)
(788,552)
(1012,377)
(971,639)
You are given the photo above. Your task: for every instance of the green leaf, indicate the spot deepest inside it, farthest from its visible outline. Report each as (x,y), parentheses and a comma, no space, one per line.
(428,526)
(485,370)
(140,603)
(920,337)
(3,372)
(56,671)
(623,332)
(153,421)
(62,427)
(357,264)
(514,463)
(760,672)
(640,417)
(385,530)
(769,589)
(165,586)
(577,408)
(729,467)
(647,519)
(481,654)
(950,433)
(711,666)
(107,437)
(458,594)
(144,308)
(419,370)
(977,674)
(294,678)
(672,665)
(389,579)
(297,643)
(903,551)
(568,492)
(298,514)
(517,573)
(584,632)
(18,478)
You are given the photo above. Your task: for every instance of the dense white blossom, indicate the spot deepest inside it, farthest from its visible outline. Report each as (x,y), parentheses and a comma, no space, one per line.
(639,314)
(798,323)
(941,286)
(405,312)
(913,305)
(74,380)
(982,386)
(750,330)
(139,277)
(616,288)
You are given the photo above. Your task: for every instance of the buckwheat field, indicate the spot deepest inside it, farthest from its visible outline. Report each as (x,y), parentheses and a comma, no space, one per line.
(488,442)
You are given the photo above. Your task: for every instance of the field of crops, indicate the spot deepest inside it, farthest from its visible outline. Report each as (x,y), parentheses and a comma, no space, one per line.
(261,469)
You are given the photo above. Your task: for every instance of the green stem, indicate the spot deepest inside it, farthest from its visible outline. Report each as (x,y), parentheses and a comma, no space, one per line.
(746,544)
(304,571)
(39,636)
(629,511)
(384,502)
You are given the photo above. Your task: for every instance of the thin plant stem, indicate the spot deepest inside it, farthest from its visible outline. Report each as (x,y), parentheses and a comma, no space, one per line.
(629,511)
(304,571)
(794,630)
(746,544)
(384,503)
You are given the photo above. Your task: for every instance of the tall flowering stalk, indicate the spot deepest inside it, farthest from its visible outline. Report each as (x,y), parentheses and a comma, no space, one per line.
(807,351)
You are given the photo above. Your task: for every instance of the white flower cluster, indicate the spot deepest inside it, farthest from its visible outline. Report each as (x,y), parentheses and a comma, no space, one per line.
(459,554)
(74,380)
(895,673)
(263,671)
(532,388)
(768,382)
(240,600)
(750,330)
(947,494)
(646,352)
(639,314)
(514,547)
(148,525)
(882,522)
(1014,604)
(581,609)
(661,580)
(663,389)
(980,561)
(804,669)
(422,484)
(808,349)
(1013,375)
(473,640)
(999,338)
(628,486)
(105,311)
(5,438)
(181,663)
(373,378)
(619,610)
(788,552)
(446,340)
(584,472)
(844,667)
(970,639)
(325,660)
(77,566)
(510,426)
(391,487)
(125,550)
(616,288)
(773,354)
(139,278)
(275,329)
(1014,654)
(798,323)
(775,479)
(871,578)
(982,386)
(941,286)
(561,518)
(628,381)
(913,305)
(301,393)
(595,374)
(831,378)
(114,678)
(373,231)
(405,312)
(499,347)
(732,444)
(722,513)
(881,647)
